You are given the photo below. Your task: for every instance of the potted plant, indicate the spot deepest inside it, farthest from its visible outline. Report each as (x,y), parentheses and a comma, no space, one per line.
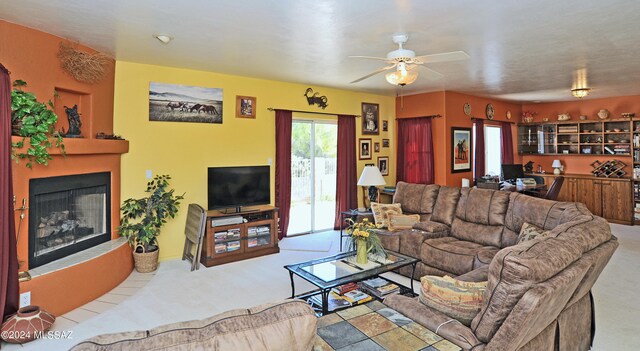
(364,240)
(142,219)
(34,120)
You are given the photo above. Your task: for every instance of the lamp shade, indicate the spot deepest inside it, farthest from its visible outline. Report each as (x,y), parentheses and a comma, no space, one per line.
(556,164)
(371,176)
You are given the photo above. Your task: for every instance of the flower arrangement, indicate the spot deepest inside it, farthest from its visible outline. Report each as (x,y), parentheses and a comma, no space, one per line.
(364,240)
(527,116)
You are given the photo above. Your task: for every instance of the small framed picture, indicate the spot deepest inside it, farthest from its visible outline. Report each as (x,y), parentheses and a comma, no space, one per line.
(376,147)
(385,142)
(365,149)
(245,107)
(383,165)
(385,125)
(370,118)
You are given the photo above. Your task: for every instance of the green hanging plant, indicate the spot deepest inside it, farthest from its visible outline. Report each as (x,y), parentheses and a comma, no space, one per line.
(35,120)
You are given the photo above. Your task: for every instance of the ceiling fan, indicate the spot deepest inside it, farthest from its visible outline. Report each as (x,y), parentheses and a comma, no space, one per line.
(406,62)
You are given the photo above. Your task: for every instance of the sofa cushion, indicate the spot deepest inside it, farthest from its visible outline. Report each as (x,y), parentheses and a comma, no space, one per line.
(288,325)
(452,255)
(455,298)
(530,232)
(381,213)
(542,213)
(476,275)
(480,216)
(445,205)
(416,198)
(432,227)
(513,271)
(402,222)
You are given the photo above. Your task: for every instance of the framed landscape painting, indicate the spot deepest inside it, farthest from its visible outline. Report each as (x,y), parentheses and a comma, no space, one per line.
(461,149)
(184,103)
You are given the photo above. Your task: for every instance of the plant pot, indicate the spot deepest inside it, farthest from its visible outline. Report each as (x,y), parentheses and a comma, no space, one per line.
(145,262)
(26,325)
(361,252)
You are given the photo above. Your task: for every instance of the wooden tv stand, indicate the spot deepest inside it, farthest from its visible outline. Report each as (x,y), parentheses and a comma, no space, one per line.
(258,236)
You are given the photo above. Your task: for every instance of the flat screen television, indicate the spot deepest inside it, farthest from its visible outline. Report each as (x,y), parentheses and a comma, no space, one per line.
(237,187)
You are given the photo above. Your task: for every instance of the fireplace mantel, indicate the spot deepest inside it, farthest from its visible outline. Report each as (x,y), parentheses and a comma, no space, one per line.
(82,146)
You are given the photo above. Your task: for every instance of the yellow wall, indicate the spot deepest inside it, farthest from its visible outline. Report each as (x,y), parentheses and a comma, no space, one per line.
(185,150)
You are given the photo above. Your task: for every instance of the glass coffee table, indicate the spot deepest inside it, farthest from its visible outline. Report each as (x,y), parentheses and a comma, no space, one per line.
(328,272)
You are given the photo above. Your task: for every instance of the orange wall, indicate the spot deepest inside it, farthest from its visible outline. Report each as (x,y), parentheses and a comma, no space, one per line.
(576,108)
(450,106)
(427,104)
(31,55)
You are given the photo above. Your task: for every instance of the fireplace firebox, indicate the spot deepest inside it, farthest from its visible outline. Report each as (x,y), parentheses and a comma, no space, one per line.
(68,214)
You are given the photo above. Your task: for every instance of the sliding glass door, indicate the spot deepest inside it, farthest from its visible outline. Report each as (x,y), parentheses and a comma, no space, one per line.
(313,176)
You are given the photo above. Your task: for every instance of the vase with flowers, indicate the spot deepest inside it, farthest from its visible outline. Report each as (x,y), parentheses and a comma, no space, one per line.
(527,116)
(364,240)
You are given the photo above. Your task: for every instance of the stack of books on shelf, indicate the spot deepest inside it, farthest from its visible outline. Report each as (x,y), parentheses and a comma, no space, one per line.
(379,287)
(233,246)
(622,149)
(263,230)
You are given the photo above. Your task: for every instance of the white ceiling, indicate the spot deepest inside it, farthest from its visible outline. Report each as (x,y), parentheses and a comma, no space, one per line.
(520,50)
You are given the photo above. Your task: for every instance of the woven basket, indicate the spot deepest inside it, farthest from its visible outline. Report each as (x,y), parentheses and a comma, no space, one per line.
(145,262)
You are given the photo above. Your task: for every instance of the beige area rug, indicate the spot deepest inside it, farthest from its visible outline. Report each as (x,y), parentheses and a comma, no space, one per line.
(316,242)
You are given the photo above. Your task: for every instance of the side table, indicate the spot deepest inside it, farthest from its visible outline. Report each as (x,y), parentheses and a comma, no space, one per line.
(354,215)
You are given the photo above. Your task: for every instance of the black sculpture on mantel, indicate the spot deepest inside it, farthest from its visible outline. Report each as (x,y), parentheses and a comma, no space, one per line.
(74,122)
(528,167)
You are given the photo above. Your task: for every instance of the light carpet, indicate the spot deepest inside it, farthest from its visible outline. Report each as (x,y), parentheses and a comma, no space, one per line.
(317,242)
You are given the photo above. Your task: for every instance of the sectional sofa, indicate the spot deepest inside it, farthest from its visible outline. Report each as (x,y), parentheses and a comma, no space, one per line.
(538,291)
(537,296)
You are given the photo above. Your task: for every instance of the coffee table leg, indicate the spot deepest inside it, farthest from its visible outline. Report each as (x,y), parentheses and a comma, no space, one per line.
(325,302)
(413,272)
(341,227)
(293,288)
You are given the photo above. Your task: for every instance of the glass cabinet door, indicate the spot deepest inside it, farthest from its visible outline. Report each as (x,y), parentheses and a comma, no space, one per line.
(547,134)
(528,136)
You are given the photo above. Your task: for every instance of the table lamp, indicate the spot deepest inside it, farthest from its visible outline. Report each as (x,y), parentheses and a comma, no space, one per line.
(371,177)
(556,165)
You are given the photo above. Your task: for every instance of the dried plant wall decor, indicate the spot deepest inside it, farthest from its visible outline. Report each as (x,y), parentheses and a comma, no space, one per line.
(82,66)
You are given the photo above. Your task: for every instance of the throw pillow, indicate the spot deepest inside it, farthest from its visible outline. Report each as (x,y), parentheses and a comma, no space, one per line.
(381,213)
(402,222)
(457,299)
(530,232)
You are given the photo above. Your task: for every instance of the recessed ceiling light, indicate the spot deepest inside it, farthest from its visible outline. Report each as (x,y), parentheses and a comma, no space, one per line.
(164,39)
(536,101)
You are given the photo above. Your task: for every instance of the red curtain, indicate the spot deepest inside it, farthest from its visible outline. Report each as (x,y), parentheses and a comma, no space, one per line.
(347,177)
(283,169)
(8,255)
(507,143)
(478,162)
(415,150)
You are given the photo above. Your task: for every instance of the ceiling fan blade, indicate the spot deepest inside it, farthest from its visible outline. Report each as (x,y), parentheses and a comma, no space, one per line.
(443,57)
(430,74)
(374,73)
(372,58)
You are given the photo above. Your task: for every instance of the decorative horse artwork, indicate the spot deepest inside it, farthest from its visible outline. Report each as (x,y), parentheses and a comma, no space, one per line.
(174,105)
(321,101)
(74,122)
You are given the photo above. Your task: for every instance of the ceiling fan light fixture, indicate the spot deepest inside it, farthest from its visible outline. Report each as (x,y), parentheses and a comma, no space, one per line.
(401,76)
(580,92)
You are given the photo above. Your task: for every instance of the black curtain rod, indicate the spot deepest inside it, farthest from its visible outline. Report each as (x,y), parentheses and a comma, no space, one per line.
(431,116)
(312,112)
(486,119)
